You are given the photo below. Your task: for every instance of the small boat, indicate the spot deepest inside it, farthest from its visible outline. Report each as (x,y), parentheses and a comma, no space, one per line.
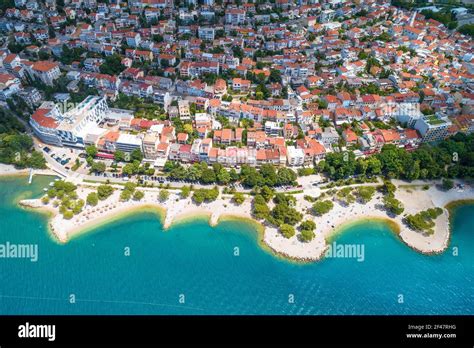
(51,183)
(45,189)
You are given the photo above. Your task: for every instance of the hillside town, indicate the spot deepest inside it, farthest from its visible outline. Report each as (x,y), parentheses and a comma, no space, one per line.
(232,82)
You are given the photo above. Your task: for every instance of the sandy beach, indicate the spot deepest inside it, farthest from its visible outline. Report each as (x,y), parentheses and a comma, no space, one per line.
(7,169)
(176,209)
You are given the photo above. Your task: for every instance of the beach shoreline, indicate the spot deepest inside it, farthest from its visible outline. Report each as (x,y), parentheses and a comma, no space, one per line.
(176,210)
(10,170)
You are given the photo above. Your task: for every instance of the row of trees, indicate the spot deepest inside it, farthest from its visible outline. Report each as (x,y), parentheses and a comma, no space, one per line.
(103,192)
(444,16)
(423,221)
(392,204)
(17,148)
(283,215)
(201,172)
(65,196)
(266,175)
(133,167)
(452,158)
(130,192)
(467,29)
(205,195)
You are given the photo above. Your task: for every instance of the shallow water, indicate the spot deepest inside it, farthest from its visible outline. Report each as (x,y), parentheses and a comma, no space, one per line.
(196,263)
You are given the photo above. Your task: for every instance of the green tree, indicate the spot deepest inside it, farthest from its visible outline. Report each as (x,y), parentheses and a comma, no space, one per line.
(130,186)
(309,225)
(238,198)
(163,195)
(467,29)
(267,193)
(275,76)
(388,187)
(185,191)
(36,160)
(447,184)
(125,195)
(91,151)
(322,207)
(199,196)
(287,231)
(92,199)
(365,193)
(286,214)
(269,174)
(136,155)
(208,176)
(98,167)
(112,65)
(119,156)
(194,172)
(77,206)
(393,205)
(104,191)
(250,177)
(374,166)
(286,176)
(234,176)
(306,236)
(138,195)
(281,198)
(260,209)
(68,214)
(212,194)
(223,177)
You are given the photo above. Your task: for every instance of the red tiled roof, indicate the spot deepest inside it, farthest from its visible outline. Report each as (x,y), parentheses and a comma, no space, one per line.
(44,66)
(44,121)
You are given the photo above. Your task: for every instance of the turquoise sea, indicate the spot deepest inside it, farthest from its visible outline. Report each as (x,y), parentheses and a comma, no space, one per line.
(196,263)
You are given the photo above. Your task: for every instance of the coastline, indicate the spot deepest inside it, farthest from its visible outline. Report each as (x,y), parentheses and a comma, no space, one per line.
(182,218)
(177,210)
(10,170)
(116,216)
(451,206)
(259,228)
(338,230)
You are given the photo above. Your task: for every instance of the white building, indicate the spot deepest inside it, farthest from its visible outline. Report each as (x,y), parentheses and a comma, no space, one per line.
(70,128)
(235,16)
(433,128)
(129,142)
(406,113)
(294,156)
(206,33)
(45,71)
(327,16)
(162,97)
(272,128)
(9,85)
(133,39)
(183,109)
